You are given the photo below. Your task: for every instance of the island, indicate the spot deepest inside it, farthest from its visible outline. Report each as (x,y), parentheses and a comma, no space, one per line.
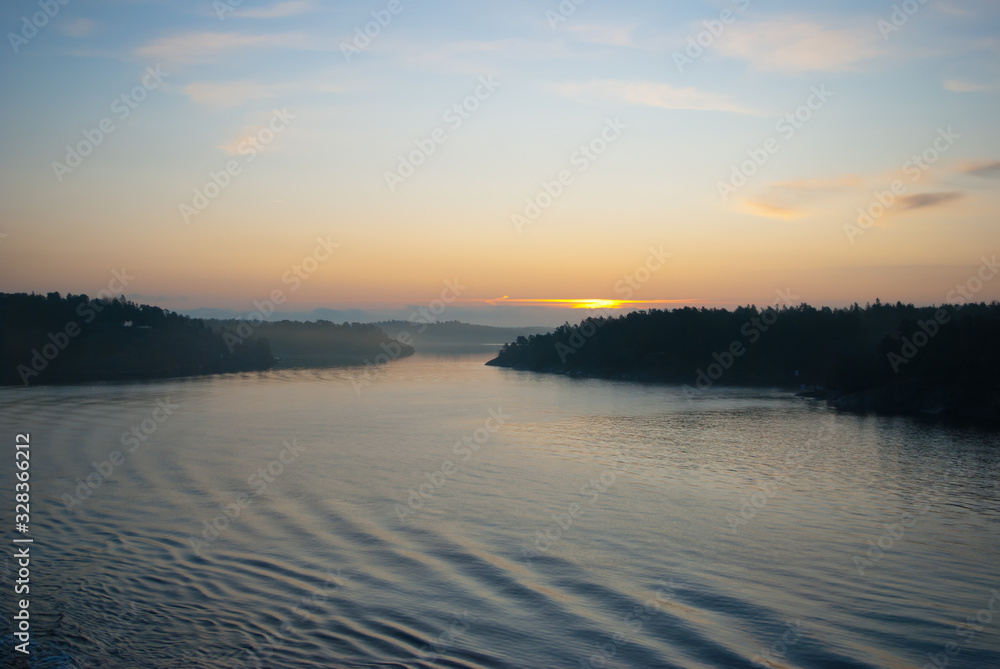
(49,339)
(938,362)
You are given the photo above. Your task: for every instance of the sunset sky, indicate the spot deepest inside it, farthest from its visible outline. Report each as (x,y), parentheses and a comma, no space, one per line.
(696,187)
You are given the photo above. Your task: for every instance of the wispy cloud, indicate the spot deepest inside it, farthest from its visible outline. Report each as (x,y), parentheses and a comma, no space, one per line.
(199,46)
(988,170)
(789,200)
(768,209)
(925,200)
(650,94)
(796,46)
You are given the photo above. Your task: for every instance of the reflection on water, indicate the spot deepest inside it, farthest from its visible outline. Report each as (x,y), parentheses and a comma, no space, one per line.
(451,514)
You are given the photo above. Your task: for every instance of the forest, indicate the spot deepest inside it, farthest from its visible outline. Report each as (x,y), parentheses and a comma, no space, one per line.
(55,339)
(886,358)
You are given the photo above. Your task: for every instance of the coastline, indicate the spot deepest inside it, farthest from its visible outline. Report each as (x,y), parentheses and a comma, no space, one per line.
(914,399)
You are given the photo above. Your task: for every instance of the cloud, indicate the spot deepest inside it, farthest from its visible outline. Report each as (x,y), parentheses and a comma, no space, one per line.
(767,209)
(279,10)
(924,200)
(650,94)
(959,86)
(985,170)
(76,27)
(199,46)
(789,200)
(794,46)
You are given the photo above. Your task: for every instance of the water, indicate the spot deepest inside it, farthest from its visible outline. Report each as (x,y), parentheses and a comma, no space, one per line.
(597,524)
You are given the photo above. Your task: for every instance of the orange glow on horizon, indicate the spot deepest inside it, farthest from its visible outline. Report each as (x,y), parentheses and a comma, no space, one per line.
(578,303)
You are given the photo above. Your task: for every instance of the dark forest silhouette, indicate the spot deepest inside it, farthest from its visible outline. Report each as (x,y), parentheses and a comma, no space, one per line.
(55,339)
(889,358)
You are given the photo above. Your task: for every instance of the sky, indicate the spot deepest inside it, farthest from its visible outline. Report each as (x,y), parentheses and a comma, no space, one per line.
(500,162)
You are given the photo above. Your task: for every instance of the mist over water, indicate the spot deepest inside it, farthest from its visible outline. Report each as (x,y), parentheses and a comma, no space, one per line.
(457,515)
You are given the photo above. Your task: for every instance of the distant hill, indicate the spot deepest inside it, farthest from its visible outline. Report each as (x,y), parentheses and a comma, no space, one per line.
(938,361)
(455,334)
(54,339)
(320,342)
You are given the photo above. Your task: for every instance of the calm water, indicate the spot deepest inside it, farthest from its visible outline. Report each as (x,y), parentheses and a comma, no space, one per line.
(457,515)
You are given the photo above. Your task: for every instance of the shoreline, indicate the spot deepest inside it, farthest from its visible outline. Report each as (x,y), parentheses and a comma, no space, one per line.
(912,399)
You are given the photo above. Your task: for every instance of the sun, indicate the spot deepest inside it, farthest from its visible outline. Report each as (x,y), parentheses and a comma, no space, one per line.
(598,304)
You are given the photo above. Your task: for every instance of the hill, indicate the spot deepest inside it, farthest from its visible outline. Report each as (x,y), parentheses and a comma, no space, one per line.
(52,339)
(456,335)
(315,343)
